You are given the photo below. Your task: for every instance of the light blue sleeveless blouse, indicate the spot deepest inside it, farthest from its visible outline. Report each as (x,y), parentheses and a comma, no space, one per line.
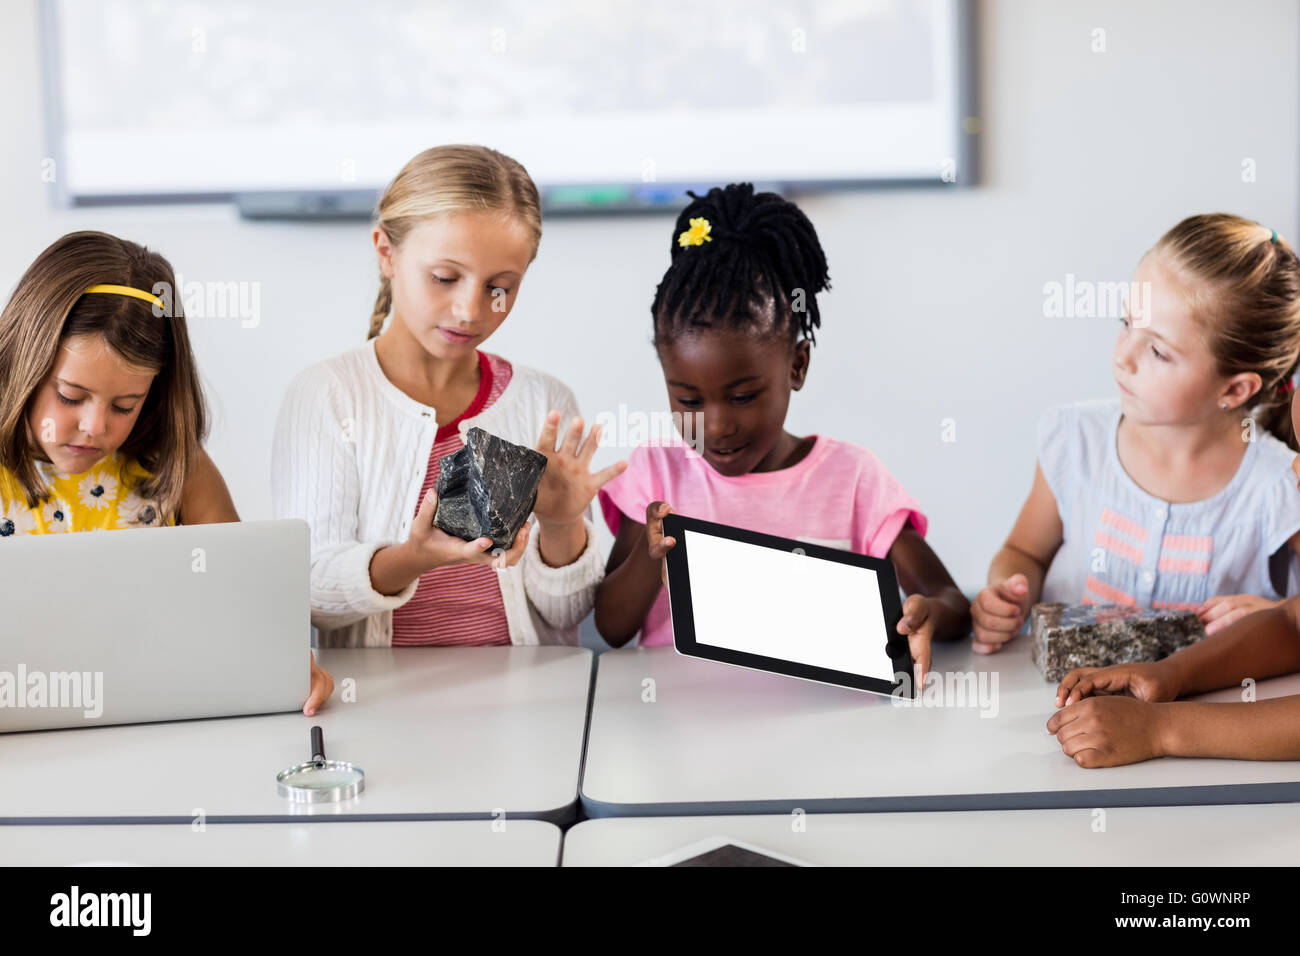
(1124,546)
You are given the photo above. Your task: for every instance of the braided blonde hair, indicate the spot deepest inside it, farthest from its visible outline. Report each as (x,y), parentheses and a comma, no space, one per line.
(452,179)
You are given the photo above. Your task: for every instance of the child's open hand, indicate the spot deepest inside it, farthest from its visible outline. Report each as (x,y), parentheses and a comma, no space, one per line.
(435,548)
(1152,682)
(998,613)
(656,543)
(918,624)
(1218,612)
(568,484)
(1109,731)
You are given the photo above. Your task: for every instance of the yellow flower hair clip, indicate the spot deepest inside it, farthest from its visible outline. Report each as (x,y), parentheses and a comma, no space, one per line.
(697,235)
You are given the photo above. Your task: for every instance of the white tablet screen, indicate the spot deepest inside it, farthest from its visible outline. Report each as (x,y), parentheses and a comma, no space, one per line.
(792,607)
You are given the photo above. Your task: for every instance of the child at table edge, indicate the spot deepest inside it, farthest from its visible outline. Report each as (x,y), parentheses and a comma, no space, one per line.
(1177,493)
(1130,712)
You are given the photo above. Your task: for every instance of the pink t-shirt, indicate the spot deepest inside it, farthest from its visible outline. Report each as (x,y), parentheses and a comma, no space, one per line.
(839,495)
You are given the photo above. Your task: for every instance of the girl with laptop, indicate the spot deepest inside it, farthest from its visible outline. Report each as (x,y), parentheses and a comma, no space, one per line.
(101,414)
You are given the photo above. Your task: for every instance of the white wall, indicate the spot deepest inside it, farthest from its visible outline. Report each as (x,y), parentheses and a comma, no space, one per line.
(937,306)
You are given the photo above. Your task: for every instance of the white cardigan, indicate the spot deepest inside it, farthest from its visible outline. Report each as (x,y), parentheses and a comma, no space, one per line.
(350,455)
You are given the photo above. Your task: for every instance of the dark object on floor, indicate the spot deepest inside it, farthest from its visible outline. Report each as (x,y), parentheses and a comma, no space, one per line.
(1064,637)
(488,488)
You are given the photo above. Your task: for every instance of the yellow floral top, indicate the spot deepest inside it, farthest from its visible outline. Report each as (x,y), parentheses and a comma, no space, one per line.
(100,498)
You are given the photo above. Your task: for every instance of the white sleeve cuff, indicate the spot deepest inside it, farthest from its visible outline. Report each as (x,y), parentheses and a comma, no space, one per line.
(563,596)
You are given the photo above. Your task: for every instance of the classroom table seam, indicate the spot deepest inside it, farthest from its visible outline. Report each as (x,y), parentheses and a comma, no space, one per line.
(566,814)
(586,734)
(542,816)
(1201,795)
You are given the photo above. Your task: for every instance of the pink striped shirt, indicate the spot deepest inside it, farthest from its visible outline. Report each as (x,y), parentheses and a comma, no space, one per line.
(461,604)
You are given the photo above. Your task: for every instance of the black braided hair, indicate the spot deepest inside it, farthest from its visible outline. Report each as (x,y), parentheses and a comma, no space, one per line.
(762,250)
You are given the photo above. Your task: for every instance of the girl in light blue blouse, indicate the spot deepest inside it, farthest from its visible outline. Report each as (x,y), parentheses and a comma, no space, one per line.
(1178,493)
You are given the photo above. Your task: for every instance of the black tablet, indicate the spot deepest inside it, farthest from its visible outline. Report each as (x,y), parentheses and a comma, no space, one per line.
(722,851)
(786,606)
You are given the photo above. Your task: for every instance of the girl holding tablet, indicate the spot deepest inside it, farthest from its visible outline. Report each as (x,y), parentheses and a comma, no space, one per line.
(734,323)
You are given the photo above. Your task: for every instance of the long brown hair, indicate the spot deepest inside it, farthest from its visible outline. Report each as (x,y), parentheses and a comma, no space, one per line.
(50,306)
(1248,302)
(451,179)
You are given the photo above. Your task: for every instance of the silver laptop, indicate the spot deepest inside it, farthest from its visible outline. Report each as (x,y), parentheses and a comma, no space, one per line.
(151,624)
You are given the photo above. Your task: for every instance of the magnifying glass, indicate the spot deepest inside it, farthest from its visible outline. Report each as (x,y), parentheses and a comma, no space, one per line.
(320,780)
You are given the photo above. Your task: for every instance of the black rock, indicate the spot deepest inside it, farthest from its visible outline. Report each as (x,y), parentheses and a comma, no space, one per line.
(488,488)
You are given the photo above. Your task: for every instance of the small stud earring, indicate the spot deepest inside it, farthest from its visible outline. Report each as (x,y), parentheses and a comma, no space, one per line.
(1224,406)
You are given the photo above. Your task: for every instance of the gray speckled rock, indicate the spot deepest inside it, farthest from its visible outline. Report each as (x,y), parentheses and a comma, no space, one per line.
(1063,637)
(488,488)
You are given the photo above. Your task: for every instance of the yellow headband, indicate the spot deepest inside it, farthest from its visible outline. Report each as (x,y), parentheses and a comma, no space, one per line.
(134,293)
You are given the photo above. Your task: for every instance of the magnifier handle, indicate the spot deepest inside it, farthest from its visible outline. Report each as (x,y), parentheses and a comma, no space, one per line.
(317,743)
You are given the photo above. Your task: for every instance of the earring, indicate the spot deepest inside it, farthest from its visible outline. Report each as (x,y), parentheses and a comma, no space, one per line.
(1224,406)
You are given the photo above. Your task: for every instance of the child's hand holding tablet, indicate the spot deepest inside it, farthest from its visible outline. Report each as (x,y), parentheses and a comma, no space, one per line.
(658,544)
(918,625)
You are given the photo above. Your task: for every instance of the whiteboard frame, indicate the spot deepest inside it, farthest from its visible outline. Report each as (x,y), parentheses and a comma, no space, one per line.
(359,203)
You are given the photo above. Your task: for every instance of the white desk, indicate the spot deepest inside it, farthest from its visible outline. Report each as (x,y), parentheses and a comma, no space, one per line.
(1243,835)
(442,733)
(720,740)
(396,843)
